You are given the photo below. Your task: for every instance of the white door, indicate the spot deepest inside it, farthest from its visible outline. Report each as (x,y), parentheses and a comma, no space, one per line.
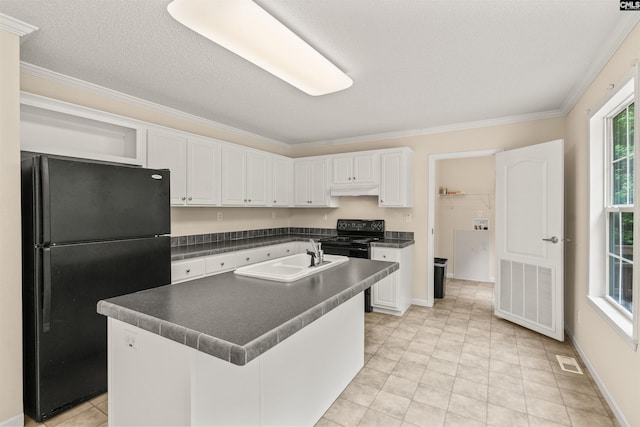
(203,172)
(234,176)
(342,170)
(318,182)
(365,168)
(169,151)
(282,184)
(301,173)
(529,237)
(258,179)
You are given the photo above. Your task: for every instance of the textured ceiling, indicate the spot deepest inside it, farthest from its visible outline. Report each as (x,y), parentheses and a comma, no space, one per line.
(417,65)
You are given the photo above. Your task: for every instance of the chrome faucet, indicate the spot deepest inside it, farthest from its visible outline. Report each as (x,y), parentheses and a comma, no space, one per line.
(317,255)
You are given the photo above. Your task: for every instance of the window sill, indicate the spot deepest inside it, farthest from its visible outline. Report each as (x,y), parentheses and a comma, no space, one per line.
(618,321)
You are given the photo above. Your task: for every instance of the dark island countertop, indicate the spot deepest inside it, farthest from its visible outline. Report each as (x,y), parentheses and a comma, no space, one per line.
(238,318)
(214,248)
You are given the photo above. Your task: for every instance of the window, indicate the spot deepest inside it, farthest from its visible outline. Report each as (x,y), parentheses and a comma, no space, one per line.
(619,207)
(612,209)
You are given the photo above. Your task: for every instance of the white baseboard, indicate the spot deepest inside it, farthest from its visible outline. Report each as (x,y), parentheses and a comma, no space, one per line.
(603,389)
(421,302)
(17,421)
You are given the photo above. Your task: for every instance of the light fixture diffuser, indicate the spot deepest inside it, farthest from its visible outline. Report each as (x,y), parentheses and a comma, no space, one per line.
(247,30)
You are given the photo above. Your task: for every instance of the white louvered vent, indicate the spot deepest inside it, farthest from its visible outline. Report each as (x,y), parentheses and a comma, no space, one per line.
(569,364)
(526,292)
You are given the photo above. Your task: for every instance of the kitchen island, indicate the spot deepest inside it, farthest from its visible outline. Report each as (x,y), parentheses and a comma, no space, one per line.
(230,350)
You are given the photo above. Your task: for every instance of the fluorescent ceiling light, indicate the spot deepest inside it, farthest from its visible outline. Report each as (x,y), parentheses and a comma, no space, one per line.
(247,30)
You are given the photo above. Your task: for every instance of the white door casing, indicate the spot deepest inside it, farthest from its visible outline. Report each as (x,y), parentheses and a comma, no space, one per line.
(529,234)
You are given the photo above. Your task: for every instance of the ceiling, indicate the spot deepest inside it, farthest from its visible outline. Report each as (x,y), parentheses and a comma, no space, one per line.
(418,66)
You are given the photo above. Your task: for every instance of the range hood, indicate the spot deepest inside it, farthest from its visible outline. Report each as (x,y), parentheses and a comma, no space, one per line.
(355,190)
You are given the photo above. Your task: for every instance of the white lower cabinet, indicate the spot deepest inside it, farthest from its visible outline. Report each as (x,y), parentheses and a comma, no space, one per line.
(190,269)
(194,268)
(393,294)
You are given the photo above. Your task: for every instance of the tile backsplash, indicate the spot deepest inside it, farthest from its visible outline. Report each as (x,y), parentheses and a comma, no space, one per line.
(270,232)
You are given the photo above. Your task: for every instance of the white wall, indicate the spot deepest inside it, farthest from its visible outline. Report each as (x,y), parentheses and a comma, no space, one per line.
(614,362)
(10,253)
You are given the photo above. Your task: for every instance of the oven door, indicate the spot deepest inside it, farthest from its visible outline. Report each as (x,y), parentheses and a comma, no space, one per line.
(346,251)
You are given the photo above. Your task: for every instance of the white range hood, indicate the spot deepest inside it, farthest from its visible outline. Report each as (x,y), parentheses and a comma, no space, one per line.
(355,190)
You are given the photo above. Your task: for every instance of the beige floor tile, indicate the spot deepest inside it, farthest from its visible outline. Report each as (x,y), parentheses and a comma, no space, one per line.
(421,348)
(326,423)
(359,393)
(499,416)
(577,385)
(92,417)
(29,422)
(99,399)
(588,419)
(391,404)
(476,350)
(507,382)
(542,377)
(541,391)
(400,386)
(536,363)
(475,361)
(472,373)
(410,371)
(455,420)
(506,355)
(584,402)
(103,407)
(505,368)
(59,419)
(443,366)
(449,345)
(438,380)
(507,399)
(470,389)
(423,415)
(548,410)
(381,364)
(378,419)
(371,377)
(468,407)
(432,396)
(390,352)
(541,422)
(345,413)
(446,355)
(415,358)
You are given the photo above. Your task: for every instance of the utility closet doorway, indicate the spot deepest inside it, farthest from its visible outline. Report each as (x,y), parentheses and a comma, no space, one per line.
(461,219)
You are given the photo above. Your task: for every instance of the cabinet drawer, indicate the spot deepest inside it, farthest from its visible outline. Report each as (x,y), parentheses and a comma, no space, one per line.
(385,254)
(187,270)
(219,263)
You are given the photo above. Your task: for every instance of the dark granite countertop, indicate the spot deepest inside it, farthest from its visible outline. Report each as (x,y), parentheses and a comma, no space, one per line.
(237,318)
(206,249)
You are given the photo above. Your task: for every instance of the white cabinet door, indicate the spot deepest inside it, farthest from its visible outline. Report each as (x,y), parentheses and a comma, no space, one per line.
(182,271)
(169,151)
(301,183)
(203,172)
(258,181)
(342,170)
(396,179)
(383,293)
(233,176)
(318,182)
(282,187)
(365,168)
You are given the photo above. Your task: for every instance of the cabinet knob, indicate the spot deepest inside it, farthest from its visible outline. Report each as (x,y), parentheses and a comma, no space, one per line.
(249,200)
(183,198)
(354,178)
(288,250)
(274,201)
(222,264)
(188,270)
(190,198)
(349,178)
(248,258)
(269,254)
(384,256)
(245,200)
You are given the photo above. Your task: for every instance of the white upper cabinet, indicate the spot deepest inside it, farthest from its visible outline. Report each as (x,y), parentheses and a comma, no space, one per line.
(310,183)
(282,183)
(203,172)
(166,150)
(396,178)
(246,177)
(194,164)
(355,168)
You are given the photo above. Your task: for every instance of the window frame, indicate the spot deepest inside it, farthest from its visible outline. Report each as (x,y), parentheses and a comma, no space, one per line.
(599,206)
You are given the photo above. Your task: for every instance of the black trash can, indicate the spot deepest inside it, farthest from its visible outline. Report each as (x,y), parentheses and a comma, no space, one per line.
(439,276)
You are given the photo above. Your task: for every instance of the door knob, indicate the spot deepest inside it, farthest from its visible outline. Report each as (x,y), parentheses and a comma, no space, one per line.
(553,239)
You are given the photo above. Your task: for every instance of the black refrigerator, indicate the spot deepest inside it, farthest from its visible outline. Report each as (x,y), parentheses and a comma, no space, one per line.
(90,231)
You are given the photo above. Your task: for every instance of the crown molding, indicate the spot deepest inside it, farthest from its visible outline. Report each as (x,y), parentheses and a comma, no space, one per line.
(34,70)
(439,129)
(608,48)
(15,26)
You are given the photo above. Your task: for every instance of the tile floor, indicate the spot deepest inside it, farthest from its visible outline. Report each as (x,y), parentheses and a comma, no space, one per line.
(451,365)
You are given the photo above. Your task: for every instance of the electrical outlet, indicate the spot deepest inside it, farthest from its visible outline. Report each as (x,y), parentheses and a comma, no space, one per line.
(131,340)
(324,217)
(479,214)
(578,315)
(219,216)
(407,217)
(273,214)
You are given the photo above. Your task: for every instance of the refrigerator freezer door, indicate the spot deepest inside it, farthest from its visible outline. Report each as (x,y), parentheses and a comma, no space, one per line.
(66,339)
(84,201)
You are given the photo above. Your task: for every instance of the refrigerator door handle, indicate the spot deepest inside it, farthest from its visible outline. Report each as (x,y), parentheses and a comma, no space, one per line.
(44,201)
(46,289)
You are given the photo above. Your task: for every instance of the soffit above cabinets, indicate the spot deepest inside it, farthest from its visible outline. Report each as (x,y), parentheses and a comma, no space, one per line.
(417,65)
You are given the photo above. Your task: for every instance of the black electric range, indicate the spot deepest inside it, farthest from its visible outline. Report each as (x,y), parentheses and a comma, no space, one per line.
(354,240)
